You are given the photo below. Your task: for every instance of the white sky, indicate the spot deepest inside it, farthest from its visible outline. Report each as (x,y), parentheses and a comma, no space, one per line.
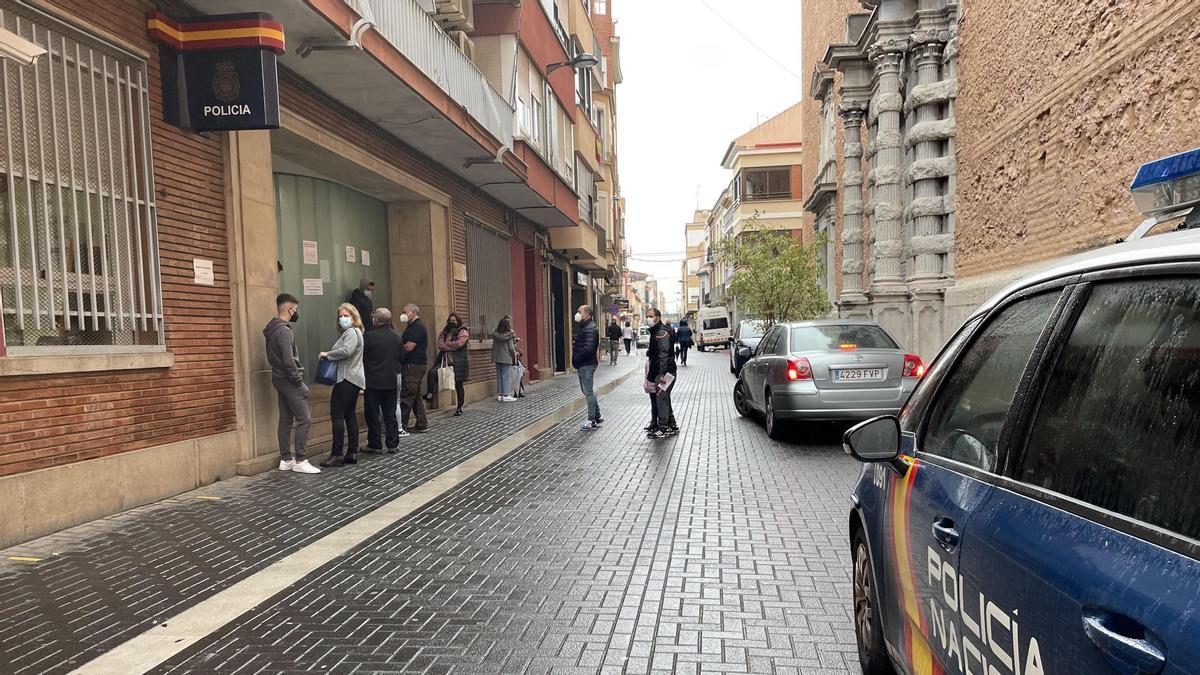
(692,85)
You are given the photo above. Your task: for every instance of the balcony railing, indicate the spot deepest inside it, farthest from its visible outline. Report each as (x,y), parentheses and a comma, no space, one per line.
(407,26)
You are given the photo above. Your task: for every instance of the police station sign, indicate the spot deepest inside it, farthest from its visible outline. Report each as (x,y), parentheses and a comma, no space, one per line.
(220,73)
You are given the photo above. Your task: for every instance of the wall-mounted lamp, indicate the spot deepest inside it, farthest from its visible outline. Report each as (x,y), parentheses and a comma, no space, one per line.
(581,62)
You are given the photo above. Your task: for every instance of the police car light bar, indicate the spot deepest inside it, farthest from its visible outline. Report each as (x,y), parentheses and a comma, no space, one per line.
(1168,184)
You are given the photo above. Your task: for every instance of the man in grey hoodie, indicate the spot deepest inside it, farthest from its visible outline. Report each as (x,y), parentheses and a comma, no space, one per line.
(287,376)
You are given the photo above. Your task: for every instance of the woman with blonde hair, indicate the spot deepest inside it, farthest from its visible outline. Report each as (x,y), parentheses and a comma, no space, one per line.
(347,353)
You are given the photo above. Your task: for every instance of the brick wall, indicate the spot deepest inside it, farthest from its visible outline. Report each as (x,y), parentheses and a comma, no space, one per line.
(49,421)
(1091,90)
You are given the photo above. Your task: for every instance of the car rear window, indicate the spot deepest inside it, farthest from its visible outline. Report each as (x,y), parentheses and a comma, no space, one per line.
(716,324)
(1119,424)
(819,338)
(750,329)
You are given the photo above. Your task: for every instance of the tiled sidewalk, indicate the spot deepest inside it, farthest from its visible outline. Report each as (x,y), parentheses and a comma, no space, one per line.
(100,584)
(718,551)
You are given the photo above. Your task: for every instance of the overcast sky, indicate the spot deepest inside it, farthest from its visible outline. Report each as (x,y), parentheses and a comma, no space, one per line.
(692,85)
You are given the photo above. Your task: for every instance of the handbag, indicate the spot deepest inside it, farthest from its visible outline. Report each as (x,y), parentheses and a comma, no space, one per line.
(445,374)
(518,378)
(327,372)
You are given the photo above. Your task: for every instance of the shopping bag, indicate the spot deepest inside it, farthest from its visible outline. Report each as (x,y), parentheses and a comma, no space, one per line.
(518,378)
(327,372)
(445,375)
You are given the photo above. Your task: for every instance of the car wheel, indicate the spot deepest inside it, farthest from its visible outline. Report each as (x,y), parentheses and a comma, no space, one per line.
(739,399)
(774,426)
(872,655)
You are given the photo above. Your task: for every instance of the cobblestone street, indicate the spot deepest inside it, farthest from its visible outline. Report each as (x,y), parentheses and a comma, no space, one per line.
(718,550)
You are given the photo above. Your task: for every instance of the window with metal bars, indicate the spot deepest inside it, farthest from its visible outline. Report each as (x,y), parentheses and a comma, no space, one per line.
(489,279)
(78,242)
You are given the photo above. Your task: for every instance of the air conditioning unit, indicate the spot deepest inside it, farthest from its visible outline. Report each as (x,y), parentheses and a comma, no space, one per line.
(464,42)
(455,14)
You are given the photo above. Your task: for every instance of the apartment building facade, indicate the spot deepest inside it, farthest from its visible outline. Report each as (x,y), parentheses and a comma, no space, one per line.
(140,259)
(948,166)
(692,285)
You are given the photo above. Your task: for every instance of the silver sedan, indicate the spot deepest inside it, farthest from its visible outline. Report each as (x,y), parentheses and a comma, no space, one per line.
(838,369)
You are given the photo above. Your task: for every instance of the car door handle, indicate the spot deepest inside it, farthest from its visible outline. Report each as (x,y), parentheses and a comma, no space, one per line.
(946,534)
(1124,640)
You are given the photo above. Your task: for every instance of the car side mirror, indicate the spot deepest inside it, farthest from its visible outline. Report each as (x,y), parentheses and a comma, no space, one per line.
(876,440)
(745,352)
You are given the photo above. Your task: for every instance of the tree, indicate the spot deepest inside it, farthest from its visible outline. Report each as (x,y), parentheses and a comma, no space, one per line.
(776,277)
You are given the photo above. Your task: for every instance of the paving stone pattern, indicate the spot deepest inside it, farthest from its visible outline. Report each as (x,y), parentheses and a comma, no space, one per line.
(718,550)
(107,581)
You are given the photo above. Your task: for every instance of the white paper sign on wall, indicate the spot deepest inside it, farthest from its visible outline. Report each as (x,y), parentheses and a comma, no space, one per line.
(366,258)
(203,270)
(310,253)
(351,254)
(313,287)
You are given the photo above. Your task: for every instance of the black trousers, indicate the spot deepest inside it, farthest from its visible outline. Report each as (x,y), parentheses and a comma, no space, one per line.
(683,350)
(660,406)
(628,344)
(343,412)
(381,418)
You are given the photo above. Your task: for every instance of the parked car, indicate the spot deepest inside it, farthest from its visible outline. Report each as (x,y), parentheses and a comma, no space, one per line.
(836,369)
(1035,503)
(712,328)
(747,334)
(643,336)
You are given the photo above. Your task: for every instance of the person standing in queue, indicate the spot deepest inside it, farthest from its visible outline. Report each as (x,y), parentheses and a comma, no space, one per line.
(412,369)
(614,341)
(452,342)
(661,374)
(347,353)
(381,361)
(287,376)
(683,338)
(361,298)
(627,334)
(585,361)
(504,355)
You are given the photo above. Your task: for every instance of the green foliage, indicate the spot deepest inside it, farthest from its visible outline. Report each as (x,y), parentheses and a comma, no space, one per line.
(778,277)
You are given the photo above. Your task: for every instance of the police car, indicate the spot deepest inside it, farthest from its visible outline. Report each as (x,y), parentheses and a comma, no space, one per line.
(1035,508)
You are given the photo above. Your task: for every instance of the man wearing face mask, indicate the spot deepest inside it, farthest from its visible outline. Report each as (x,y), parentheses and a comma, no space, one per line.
(287,376)
(413,364)
(361,299)
(585,361)
(660,375)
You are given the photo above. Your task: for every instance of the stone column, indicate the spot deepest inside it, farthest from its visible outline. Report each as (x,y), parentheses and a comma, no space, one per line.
(927,135)
(886,219)
(853,263)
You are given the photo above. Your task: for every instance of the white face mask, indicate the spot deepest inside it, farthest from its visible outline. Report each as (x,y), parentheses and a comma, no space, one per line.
(403,318)
(649,321)
(578,317)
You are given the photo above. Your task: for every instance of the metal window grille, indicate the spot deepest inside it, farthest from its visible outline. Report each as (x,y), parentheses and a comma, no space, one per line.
(489,278)
(78,242)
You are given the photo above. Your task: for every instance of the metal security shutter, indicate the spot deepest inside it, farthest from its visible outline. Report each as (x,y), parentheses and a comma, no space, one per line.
(489,278)
(78,242)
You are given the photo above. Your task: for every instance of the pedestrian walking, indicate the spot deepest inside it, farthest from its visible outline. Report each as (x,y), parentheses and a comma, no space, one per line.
(347,353)
(683,338)
(452,342)
(614,342)
(381,361)
(660,375)
(504,355)
(361,298)
(413,364)
(584,360)
(627,334)
(287,376)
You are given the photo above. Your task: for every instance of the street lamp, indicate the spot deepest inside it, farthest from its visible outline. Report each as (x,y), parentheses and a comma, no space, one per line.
(581,62)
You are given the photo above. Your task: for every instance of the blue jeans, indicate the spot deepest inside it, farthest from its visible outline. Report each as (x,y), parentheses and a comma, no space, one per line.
(503,379)
(587,377)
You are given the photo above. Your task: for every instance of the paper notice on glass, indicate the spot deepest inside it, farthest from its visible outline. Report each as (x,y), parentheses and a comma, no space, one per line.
(351,254)
(325,271)
(203,270)
(366,258)
(310,253)
(314,287)
(665,382)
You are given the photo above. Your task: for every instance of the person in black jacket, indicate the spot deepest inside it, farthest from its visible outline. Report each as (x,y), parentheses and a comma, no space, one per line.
(584,360)
(361,299)
(614,341)
(661,374)
(683,338)
(382,351)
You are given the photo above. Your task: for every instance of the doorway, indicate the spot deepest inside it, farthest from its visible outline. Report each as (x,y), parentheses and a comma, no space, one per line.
(558,313)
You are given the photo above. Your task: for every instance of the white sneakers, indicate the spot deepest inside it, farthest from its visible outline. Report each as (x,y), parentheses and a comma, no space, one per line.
(297,467)
(588,426)
(507,399)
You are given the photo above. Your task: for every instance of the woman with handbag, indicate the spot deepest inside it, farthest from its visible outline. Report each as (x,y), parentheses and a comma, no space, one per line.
(347,353)
(452,343)
(504,355)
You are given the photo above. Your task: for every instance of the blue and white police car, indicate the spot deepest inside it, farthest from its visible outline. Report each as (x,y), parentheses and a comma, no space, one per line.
(1035,508)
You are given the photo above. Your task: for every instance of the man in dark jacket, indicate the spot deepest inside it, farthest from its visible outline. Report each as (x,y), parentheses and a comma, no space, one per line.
(614,341)
(382,351)
(683,338)
(361,299)
(288,379)
(584,360)
(661,373)
(413,365)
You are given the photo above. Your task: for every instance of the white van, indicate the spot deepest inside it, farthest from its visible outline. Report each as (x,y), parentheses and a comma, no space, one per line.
(712,328)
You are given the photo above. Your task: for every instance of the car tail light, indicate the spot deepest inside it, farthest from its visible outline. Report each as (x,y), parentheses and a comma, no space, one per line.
(913,366)
(848,347)
(799,369)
